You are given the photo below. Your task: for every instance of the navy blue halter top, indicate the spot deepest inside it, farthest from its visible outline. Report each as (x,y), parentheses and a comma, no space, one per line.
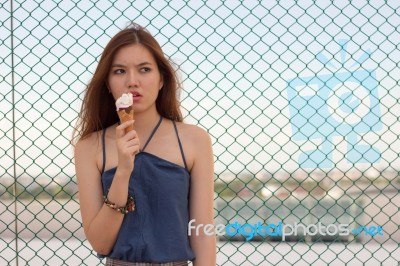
(157,231)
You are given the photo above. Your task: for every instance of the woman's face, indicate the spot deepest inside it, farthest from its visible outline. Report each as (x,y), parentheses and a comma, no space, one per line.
(134,70)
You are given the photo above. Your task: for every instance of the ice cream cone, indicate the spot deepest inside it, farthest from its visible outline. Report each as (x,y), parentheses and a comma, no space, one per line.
(124,106)
(126,114)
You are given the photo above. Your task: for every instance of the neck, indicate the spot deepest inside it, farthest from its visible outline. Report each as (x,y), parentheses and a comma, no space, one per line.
(145,121)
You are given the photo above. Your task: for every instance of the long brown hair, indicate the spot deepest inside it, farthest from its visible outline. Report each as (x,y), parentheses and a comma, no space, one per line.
(98,105)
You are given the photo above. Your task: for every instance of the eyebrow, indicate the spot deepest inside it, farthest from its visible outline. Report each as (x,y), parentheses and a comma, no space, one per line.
(139,65)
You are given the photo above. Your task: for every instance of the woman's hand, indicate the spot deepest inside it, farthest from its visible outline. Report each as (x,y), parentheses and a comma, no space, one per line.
(127,145)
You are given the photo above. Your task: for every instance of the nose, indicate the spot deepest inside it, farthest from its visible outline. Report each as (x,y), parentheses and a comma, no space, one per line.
(132,80)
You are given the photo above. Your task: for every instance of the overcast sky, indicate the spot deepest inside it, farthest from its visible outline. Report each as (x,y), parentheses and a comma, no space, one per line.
(235,59)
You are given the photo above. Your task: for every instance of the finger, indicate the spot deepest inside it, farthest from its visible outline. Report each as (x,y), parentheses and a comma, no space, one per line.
(133,142)
(131,151)
(120,129)
(126,124)
(131,135)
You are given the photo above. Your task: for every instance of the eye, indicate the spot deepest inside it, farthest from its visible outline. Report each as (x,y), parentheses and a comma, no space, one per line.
(119,71)
(145,69)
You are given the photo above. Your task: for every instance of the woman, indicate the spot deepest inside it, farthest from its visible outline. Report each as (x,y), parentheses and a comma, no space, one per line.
(134,186)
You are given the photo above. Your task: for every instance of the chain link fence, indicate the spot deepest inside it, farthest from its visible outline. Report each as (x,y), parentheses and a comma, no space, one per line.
(301,99)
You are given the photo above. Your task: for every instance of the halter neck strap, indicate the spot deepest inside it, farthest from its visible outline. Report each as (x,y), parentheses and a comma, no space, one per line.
(152,134)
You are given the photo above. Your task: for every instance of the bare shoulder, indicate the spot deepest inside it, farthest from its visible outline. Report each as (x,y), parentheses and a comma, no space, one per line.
(197,146)
(87,150)
(89,144)
(193,135)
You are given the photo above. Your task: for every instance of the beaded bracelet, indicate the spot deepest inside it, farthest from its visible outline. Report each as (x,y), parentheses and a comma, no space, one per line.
(129,207)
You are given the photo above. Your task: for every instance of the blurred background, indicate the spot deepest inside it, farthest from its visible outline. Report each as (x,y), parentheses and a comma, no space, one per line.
(301,99)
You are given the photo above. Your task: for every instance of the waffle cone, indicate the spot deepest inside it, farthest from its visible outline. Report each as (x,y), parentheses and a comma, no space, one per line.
(126,114)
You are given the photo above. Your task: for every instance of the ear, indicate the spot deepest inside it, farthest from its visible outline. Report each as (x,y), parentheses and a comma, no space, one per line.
(161,85)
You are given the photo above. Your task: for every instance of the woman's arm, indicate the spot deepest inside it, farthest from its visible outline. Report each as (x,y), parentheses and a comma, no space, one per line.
(101,223)
(202,198)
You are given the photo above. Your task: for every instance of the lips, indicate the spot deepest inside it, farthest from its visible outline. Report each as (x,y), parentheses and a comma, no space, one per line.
(136,95)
